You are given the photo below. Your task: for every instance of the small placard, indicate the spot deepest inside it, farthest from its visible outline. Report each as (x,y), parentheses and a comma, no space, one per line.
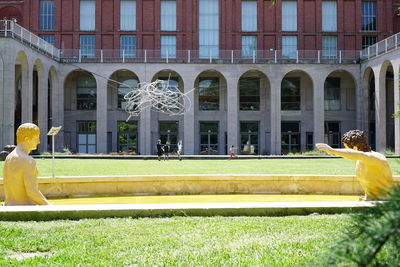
(54,130)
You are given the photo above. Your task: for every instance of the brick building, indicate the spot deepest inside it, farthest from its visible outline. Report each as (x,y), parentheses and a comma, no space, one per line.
(279,78)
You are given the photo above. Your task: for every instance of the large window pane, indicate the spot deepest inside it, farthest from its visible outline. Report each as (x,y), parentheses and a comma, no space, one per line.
(329,47)
(87,45)
(209,138)
(368,41)
(249,93)
(86,93)
(46,17)
(168,46)
(368,16)
(208,28)
(289,15)
(290,139)
(332,94)
(249,135)
(290,94)
(127,136)
(87,15)
(332,134)
(289,47)
(168,15)
(169,132)
(128,15)
(128,46)
(249,46)
(86,136)
(48,38)
(209,93)
(127,84)
(249,16)
(329,16)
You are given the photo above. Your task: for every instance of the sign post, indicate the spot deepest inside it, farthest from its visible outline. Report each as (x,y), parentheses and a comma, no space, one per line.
(53,132)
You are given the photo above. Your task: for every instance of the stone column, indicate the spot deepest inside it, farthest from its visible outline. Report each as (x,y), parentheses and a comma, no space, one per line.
(145,132)
(189,119)
(380,110)
(7,101)
(275,98)
(232,119)
(361,105)
(101,115)
(318,108)
(43,108)
(26,94)
(396,82)
(57,108)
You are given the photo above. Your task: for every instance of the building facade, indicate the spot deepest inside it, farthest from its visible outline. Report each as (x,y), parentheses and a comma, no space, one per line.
(267,79)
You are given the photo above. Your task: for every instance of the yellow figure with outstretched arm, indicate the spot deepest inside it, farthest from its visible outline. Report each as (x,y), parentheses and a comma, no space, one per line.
(372,168)
(20,172)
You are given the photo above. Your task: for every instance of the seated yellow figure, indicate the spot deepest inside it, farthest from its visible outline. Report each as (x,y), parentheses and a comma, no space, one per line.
(372,168)
(20,172)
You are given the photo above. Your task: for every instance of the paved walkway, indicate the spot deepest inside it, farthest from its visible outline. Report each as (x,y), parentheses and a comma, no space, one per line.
(179,209)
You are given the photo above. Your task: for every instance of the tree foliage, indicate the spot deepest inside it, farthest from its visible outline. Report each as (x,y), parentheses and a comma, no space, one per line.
(373,239)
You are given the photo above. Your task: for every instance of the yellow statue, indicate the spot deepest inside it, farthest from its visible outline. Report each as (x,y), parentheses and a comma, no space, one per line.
(372,168)
(20,172)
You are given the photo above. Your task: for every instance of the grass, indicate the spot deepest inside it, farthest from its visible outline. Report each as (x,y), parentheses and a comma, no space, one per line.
(183,241)
(92,167)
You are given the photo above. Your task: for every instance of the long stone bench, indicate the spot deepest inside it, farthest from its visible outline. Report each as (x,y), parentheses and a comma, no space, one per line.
(74,186)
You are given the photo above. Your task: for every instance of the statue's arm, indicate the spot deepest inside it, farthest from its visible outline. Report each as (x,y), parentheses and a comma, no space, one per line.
(32,190)
(345,153)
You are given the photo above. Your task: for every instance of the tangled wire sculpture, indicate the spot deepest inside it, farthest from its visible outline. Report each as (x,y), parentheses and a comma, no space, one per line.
(159,96)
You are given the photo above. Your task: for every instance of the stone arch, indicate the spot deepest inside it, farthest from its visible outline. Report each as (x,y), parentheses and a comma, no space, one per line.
(10,12)
(21,109)
(368,85)
(212,101)
(120,83)
(386,87)
(80,104)
(37,84)
(340,106)
(52,89)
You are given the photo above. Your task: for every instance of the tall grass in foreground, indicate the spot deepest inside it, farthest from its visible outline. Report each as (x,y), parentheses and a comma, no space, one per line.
(182,241)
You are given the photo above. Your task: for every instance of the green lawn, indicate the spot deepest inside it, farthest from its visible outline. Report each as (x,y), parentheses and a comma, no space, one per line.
(182,241)
(71,167)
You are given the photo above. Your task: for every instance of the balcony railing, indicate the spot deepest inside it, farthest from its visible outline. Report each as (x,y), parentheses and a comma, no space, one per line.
(390,43)
(10,28)
(194,56)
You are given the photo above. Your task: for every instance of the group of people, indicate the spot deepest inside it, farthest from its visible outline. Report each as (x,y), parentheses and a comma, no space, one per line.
(165,150)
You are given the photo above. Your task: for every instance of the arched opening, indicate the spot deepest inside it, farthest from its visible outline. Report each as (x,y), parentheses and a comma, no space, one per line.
(169,129)
(51,88)
(37,79)
(390,108)
(21,81)
(296,112)
(122,135)
(10,12)
(253,89)
(339,105)
(80,93)
(210,96)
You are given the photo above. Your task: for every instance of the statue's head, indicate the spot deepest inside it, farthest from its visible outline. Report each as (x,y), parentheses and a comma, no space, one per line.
(356,139)
(28,134)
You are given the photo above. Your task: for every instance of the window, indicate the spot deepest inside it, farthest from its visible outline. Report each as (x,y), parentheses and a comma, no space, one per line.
(171,85)
(329,47)
(87,15)
(332,94)
(169,133)
(249,16)
(290,140)
(329,16)
(127,85)
(86,135)
(86,92)
(128,46)
(168,46)
(208,28)
(249,46)
(368,16)
(209,138)
(46,17)
(290,95)
(48,38)
(87,45)
(289,47)
(127,136)
(368,41)
(249,137)
(128,15)
(209,93)
(249,93)
(289,16)
(168,15)
(332,134)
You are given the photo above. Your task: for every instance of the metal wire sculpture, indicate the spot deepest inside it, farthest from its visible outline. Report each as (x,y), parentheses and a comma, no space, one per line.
(159,96)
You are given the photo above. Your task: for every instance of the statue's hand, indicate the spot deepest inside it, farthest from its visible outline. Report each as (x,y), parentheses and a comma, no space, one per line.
(324,147)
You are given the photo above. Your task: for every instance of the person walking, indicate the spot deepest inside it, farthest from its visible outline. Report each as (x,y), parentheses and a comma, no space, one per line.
(179,149)
(160,149)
